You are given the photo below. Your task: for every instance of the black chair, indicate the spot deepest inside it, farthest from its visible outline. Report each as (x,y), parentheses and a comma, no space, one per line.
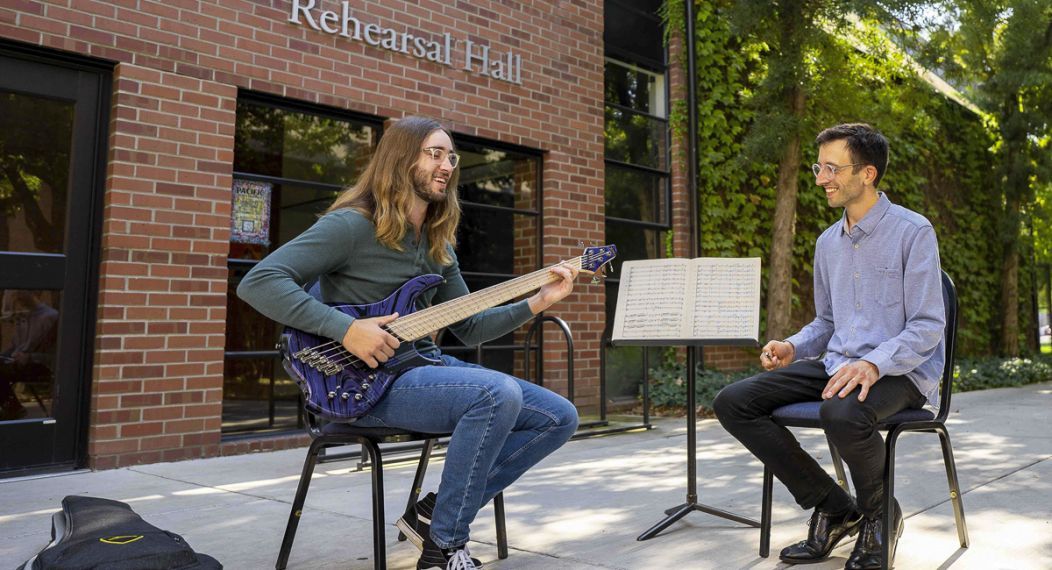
(336,434)
(805,414)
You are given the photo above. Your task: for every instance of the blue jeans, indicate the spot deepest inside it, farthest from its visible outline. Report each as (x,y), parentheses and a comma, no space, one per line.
(501,427)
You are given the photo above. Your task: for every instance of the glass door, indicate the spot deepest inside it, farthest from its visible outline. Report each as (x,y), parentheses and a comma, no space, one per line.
(51,116)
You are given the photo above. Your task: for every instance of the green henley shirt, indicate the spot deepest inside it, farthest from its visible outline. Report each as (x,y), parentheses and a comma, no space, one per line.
(341,251)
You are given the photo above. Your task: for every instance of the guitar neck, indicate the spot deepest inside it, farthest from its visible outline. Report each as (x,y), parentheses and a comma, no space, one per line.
(422,323)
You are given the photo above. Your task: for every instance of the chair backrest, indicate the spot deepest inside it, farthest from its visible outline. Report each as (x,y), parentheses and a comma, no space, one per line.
(950,302)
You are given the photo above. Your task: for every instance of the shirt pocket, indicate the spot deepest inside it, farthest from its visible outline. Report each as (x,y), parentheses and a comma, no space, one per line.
(888,287)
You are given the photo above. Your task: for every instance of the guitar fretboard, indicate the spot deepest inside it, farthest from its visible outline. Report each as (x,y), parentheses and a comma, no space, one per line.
(422,323)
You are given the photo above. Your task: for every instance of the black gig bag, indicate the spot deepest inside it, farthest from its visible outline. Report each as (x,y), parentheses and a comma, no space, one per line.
(90,533)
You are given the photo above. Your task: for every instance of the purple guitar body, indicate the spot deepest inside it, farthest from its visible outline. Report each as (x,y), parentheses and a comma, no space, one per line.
(337,386)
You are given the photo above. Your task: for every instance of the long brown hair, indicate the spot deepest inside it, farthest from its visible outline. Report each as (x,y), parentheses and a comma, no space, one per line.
(384,193)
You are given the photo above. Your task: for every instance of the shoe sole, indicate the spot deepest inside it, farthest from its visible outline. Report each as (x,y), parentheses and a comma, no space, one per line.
(410,533)
(798,561)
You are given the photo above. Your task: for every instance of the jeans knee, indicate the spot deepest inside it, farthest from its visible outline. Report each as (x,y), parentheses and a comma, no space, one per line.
(503,394)
(566,417)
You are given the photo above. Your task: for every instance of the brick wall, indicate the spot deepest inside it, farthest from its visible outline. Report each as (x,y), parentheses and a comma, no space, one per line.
(157,386)
(158,376)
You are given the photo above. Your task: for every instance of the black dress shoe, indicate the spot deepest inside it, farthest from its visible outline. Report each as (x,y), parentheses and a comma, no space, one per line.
(825,532)
(867,554)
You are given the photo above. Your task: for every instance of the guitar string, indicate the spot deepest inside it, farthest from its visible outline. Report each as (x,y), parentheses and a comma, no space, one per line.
(346,358)
(431,319)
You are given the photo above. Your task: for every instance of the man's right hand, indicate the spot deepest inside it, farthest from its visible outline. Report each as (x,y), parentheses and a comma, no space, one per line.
(777,354)
(366,339)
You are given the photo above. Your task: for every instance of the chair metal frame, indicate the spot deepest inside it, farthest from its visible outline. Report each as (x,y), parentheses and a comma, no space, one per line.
(370,440)
(805,414)
(338,434)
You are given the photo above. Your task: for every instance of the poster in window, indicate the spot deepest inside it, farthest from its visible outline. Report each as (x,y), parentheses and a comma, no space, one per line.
(250,214)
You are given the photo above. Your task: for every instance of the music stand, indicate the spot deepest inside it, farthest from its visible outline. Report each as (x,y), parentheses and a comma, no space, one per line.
(691,504)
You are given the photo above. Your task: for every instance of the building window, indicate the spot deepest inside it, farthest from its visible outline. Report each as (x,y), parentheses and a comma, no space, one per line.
(298,158)
(499,232)
(637,192)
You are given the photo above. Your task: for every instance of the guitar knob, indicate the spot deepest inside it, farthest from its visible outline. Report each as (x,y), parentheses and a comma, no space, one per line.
(372,376)
(358,397)
(345,396)
(332,395)
(365,385)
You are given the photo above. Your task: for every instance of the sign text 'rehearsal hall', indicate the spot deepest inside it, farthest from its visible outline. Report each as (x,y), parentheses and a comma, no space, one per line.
(476,58)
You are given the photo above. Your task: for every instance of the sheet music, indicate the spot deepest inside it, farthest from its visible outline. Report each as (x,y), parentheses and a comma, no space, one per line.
(726,298)
(651,299)
(707,298)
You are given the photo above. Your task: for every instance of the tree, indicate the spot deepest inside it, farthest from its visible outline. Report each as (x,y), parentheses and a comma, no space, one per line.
(1000,54)
(800,35)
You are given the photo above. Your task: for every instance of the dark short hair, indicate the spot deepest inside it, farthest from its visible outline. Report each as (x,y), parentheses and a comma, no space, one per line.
(866,145)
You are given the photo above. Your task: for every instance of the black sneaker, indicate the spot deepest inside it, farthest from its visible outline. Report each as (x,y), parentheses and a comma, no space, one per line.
(415,524)
(446,558)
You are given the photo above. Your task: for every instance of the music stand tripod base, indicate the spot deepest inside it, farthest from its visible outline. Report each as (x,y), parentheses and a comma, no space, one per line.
(680,511)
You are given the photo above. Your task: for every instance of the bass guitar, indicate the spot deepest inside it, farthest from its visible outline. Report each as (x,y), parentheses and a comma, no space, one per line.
(338,386)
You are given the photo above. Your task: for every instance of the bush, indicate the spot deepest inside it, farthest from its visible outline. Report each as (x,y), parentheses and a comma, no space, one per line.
(983,373)
(668,382)
(668,387)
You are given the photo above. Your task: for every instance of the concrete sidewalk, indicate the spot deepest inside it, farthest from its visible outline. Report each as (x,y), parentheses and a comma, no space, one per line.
(583,507)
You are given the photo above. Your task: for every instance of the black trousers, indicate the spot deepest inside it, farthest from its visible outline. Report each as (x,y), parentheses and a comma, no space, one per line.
(744,408)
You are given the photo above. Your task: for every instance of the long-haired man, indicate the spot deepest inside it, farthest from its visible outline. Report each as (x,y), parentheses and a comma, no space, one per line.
(399,221)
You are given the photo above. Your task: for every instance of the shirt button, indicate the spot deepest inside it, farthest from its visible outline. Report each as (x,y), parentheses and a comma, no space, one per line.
(855,246)
(858,305)
(856,275)
(847,353)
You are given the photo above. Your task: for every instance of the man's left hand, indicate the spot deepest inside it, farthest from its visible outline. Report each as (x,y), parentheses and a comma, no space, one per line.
(555,291)
(858,373)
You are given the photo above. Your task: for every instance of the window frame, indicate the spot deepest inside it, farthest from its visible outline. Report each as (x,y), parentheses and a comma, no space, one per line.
(292,106)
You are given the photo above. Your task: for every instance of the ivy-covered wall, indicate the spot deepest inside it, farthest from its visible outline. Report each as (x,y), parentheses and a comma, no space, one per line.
(940,159)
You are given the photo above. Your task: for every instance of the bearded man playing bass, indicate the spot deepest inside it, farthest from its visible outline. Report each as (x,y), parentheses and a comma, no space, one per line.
(398,222)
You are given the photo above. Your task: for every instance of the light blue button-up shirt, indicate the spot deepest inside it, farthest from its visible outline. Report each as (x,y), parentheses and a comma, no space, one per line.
(878,297)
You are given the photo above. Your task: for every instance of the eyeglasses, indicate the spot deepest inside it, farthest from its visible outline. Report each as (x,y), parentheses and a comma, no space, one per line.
(830,169)
(439,154)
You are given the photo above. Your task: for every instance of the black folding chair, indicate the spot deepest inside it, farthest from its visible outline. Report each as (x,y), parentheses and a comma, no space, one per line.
(805,414)
(336,434)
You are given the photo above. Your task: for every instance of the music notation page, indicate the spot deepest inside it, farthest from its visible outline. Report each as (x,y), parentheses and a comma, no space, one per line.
(708,298)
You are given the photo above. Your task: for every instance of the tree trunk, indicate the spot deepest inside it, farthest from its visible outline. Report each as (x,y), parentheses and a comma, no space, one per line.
(780,272)
(1010,301)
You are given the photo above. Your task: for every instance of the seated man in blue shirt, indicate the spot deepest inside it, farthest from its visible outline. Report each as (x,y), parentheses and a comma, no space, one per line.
(879,332)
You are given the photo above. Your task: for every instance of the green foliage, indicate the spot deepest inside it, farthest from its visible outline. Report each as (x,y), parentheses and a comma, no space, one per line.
(984,373)
(940,166)
(668,386)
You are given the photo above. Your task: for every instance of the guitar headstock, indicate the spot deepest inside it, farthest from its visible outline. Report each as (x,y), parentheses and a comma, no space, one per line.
(594,259)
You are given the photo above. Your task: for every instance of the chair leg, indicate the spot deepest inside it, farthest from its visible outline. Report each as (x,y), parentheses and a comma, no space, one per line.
(765,513)
(418,479)
(954,484)
(838,466)
(379,528)
(297,503)
(886,551)
(502,529)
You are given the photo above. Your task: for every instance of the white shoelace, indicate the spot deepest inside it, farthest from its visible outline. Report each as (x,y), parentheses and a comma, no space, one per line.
(460,560)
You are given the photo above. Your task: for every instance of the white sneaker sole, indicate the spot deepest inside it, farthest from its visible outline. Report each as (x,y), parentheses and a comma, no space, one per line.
(410,533)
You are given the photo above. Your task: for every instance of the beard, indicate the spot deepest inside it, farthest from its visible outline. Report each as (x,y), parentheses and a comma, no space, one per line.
(422,189)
